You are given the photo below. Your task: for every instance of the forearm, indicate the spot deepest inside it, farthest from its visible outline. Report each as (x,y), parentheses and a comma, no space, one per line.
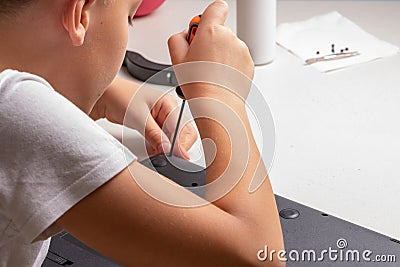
(233,160)
(113,104)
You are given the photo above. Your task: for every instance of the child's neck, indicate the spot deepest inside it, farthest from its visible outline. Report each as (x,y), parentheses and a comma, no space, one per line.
(17,54)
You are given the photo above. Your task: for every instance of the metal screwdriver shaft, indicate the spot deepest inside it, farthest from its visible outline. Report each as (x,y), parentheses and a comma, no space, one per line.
(179,92)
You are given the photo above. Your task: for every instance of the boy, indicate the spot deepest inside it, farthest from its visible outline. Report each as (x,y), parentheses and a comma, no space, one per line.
(59,170)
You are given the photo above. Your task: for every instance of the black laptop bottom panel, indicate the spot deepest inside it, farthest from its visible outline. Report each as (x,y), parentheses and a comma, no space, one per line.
(312,238)
(66,250)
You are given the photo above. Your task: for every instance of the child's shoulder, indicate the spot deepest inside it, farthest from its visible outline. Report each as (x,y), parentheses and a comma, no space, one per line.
(10,79)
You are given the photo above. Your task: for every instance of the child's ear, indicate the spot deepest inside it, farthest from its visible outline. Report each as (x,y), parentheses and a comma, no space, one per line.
(76,20)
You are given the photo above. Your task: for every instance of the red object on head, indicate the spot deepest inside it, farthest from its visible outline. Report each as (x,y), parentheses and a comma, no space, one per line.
(148,6)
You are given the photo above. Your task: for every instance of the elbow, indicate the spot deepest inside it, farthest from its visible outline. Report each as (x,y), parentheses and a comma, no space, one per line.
(264,250)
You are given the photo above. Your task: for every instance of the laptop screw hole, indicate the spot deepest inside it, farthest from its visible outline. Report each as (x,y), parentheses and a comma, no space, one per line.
(195,184)
(395,240)
(324,214)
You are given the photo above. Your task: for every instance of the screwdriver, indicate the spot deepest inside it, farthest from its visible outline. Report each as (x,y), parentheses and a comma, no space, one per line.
(193,25)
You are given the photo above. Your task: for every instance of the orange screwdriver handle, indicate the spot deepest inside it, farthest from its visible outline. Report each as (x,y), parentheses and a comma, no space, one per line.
(193,25)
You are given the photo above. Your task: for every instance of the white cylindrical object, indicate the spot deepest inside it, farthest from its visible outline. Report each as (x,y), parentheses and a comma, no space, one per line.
(256,26)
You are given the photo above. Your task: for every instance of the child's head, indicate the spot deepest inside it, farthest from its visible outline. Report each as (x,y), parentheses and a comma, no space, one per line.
(77,45)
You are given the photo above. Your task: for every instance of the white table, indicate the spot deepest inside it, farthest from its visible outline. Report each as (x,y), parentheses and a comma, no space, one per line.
(338,134)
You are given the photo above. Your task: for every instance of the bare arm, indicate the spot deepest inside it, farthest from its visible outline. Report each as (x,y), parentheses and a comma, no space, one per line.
(114,103)
(128,225)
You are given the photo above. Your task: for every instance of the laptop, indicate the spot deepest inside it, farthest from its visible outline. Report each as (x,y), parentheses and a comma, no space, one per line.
(312,238)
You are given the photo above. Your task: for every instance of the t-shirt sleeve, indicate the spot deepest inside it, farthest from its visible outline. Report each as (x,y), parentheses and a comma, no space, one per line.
(52,155)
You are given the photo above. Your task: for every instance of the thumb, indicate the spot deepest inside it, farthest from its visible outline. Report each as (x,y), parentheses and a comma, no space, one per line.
(156,137)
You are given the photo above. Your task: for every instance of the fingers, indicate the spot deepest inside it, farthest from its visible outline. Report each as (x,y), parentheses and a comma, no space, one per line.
(163,119)
(215,14)
(187,136)
(165,113)
(179,151)
(178,47)
(161,145)
(156,137)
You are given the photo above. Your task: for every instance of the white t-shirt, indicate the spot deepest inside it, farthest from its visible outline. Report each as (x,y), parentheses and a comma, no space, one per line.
(52,155)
